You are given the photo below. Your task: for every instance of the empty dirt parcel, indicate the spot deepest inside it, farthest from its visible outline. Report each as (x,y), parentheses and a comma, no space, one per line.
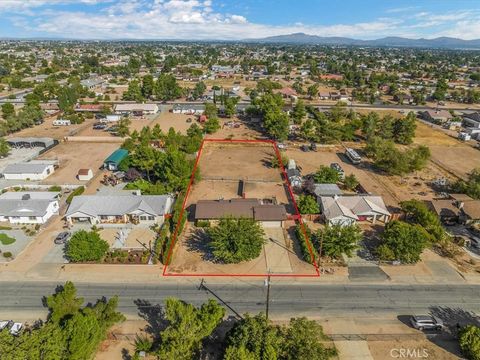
(238,181)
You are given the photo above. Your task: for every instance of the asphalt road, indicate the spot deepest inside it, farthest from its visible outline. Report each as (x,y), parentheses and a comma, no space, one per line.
(287,299)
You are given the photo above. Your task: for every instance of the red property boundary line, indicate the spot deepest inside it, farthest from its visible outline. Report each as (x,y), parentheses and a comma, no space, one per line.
(296,217)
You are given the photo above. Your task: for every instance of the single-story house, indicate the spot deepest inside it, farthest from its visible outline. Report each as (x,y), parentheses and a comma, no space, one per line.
(114,160)
(269,215)
(92,83)
(136,109)
(85,174)
(460,207)
(119,209)
(326,190)
(22,207)
(347,210)
(470,211)
(188,109)
(446,209)
(436,116)
(28,171)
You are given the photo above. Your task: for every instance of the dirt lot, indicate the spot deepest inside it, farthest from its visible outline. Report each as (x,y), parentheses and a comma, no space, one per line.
(449,153)
(48,130)
(393,189)
(222,166)
(73,156)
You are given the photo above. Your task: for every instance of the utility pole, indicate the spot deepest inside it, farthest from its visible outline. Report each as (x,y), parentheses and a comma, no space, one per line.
(267,284)
(203,286)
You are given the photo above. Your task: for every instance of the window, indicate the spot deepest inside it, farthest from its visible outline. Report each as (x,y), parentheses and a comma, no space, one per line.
(32,218)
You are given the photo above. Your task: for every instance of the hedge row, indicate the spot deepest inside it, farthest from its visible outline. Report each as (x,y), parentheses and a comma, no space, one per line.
(303,244)
(76,192)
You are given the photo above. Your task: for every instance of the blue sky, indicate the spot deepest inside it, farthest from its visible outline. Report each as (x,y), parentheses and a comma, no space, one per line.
(238,19)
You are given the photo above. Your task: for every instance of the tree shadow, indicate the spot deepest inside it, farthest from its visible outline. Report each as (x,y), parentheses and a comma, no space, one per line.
(213,346)
(454,317)
(126,354)
(198,242)
(154,315)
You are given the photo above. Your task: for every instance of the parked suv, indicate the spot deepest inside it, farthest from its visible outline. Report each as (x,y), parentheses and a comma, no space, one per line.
(62,238)
(336,166)
(426,322)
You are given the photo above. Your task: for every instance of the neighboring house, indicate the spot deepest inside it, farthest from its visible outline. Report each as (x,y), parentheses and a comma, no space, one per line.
(85,174)
(28,171)
(188,109)
(472,120)
(114,160)
(326,190)
(21,207)
(119,209)
(92,83)
(446,209)
(436,116)
(94,108)
(459,207)
(136,109)
(347,210)
(269,215)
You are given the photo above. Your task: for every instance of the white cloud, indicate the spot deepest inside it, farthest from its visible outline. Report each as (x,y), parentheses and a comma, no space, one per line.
(200,19)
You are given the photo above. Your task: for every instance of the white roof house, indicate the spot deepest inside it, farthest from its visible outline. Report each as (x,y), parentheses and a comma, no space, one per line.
(141,108)
(346,210)
(24,207)
(28,170)
(119,208)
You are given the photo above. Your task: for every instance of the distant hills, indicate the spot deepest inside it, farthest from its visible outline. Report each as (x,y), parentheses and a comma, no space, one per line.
(302,38)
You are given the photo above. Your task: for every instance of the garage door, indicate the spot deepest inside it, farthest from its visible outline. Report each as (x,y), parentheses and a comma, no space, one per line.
(271,224)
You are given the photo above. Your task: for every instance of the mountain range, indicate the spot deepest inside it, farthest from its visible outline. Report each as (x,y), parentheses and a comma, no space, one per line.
(393,41)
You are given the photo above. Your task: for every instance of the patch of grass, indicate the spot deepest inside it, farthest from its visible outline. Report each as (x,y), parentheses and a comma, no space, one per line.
(5,228)
(6,240)
(7,254)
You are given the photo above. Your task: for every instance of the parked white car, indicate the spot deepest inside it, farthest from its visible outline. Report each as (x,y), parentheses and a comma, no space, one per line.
(16,328)
(5,324)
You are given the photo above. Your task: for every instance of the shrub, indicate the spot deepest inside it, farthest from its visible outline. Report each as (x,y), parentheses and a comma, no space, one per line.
(76,192)
(470,342)
(86,246)
(6,240)
(55,188)
(7,254)
(5,228)
(203,223)
(302,241)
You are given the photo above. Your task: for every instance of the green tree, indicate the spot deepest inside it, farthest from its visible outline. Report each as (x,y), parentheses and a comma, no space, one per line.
(198,90)
(307,204)
(123,127)
(326,175)
(147,86)
(236,240)
(404,241)
(338,240)
(211,126)
(230,105)
(404,129)
(312,90)
(303,340)
(276,123)
(166,88)
(470,342)
(254,336)
(4,147)
(417,212)
(86,246)
(440,90)
(8,110)
(211,110)
(134,91)
(187,327)
(298,112)
(471,187)
(350,182)
(64,303)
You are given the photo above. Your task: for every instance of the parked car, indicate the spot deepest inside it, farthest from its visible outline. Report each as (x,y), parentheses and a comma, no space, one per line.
(304,148)
(16,328)
(99,126)
(5,324)
(339,169)
(313,147)
(282,146)
(426,322)
(62,238)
